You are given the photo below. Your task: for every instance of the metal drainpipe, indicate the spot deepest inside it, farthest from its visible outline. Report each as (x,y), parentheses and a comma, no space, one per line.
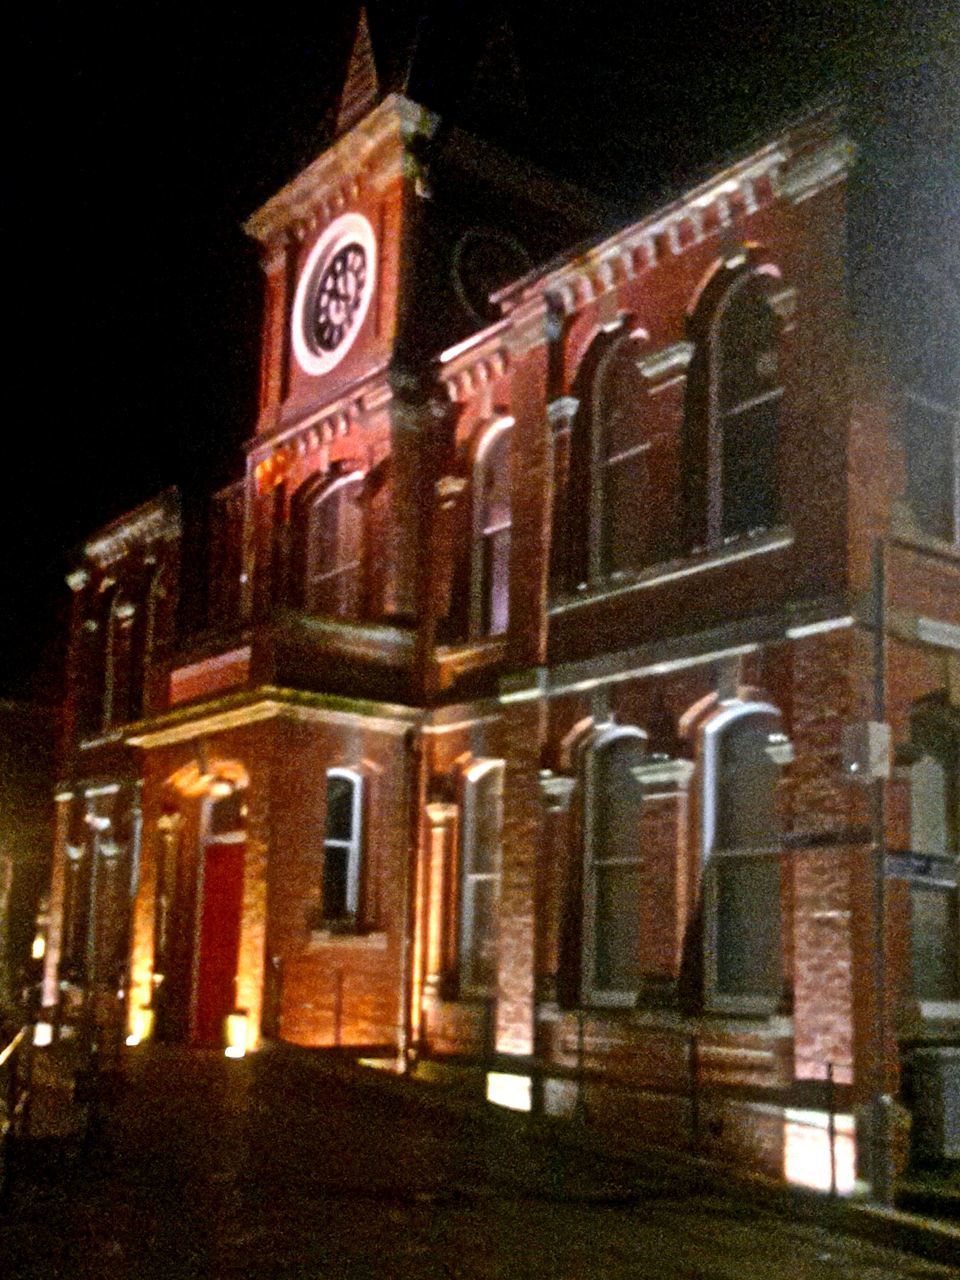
(881,1163)
(414,751)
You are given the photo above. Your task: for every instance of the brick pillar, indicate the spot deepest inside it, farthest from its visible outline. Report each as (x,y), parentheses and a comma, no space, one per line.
(440,950)
(523,830)
(58,885)
(555,793)
(823,964)
(251,957)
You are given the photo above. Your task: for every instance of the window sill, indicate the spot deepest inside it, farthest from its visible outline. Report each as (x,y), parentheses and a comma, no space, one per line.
(773,1027)
(340,938)
(939,1011)
(626,583)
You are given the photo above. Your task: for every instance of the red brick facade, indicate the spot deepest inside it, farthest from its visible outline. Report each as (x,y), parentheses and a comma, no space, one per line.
(559,778)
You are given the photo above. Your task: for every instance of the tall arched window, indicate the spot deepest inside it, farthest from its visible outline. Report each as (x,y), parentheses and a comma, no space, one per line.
(621,509)
(613,799)
(342,846)
(480,835)
(622,531)
(935,836)
(492,518)
(929,353)
(331,530)
(743,746)
(733,409)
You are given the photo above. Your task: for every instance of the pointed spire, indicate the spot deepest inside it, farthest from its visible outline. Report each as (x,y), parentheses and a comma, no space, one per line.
(361,90)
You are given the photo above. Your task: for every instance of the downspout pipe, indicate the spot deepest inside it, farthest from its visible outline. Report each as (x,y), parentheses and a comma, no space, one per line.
(881,1137)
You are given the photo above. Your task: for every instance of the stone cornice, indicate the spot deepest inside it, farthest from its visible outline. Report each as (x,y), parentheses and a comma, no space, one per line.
(334,178)
(705,210)
(269,703)
(271,455)
(155,521)
(820,169)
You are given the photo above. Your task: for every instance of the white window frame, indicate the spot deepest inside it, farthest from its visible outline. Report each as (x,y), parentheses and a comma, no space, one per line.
(479,589)
(469,878)
(591,993)
(717,420)
(353,846)
(313,581)
(712,733)
(943,1009)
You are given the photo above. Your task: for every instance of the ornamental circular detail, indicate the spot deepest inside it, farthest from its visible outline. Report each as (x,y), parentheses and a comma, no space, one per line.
(333,293)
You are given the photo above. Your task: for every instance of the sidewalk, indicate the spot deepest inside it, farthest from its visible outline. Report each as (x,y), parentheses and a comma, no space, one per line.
(297,1163)
(925,1221)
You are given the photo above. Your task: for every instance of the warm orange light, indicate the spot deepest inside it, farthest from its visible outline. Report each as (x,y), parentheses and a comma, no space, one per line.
(806,1151)
(141,1026)
(237,1029)
(39,948)
(507,1090)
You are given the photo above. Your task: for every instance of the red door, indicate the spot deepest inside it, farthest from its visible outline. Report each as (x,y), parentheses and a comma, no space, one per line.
(219,939)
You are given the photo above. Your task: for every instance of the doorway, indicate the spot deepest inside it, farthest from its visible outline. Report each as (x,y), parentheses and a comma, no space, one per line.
(218,932)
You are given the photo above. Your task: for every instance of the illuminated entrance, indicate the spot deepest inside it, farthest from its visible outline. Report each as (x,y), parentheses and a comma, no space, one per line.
(220,899)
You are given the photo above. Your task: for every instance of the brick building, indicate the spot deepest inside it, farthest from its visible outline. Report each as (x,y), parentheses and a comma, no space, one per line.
(575,696)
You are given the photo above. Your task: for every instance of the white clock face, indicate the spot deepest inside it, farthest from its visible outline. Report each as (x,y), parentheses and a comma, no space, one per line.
(333,293)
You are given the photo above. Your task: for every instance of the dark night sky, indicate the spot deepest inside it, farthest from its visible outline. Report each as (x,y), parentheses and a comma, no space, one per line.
(140,136)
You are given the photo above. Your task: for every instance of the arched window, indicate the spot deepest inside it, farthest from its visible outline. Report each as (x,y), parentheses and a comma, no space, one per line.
(613,799)
(480,835)
(929,351)
(743,746)
(331,532)
(935,836)
(490,559)
(621,474)
(621,512)
(733,410)
(342,847)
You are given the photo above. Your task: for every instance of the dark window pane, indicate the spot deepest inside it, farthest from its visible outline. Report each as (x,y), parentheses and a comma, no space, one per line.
(747,350)
(335,860)
(484,815)
(227,814)
(480,960)
(931,431)
(749,476)
(617,938)
(746,792)
(340,808)
(625,515)
(617,801)
(619,402)
(334,549)
(935,944)
(748,926)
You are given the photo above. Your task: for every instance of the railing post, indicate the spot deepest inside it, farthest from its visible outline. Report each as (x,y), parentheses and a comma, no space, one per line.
(693,1065)
(832,1127)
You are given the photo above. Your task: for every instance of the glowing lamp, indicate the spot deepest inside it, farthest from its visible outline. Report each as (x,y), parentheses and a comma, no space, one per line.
(507,1090)
(237,1024)
(141,1026)
(814,1156)
(39,948)
(43,1034)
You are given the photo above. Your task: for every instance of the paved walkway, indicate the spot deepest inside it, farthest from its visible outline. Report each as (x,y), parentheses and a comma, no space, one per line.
(280,1166)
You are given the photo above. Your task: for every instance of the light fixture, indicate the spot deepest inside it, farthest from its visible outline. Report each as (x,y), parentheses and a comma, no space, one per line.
(236,1026)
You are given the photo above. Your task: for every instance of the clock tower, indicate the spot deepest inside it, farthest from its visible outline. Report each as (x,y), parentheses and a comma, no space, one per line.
(381,254)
